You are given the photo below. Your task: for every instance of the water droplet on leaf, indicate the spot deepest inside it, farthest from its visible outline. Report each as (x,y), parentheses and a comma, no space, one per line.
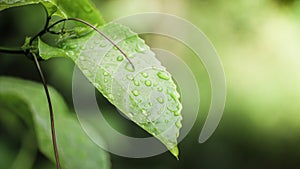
(178,124)
(163,75)
(140,47)
(173,96)
(148,83)
(135,92)
(137,83)
(120,58)
(145,75)
(105,73)
(176,113)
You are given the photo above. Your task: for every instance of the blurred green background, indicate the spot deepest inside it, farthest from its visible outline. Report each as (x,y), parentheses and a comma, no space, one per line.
(259,44)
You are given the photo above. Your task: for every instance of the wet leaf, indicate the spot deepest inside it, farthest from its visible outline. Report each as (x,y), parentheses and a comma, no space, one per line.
(145,93)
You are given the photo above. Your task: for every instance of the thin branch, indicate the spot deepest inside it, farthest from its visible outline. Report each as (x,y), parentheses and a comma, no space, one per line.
(98,31)
(42,32)
(11,50)
(50,110)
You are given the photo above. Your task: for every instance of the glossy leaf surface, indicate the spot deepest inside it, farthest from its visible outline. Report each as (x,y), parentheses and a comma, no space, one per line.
(145,93)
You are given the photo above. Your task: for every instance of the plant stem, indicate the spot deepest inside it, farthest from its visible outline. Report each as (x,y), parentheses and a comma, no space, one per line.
(11,50)
(50,109)
(42,32)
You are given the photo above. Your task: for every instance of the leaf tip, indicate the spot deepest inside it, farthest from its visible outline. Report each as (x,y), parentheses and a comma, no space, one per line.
(175,151)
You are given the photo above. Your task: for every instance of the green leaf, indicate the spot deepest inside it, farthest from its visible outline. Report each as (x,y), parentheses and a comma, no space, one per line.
(146,94)
(28,100)
(47,51)
(82,9)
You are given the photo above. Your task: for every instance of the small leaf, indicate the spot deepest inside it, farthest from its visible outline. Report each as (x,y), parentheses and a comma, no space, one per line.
(82,9)
(146,94)
(76,150)
(49,50)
